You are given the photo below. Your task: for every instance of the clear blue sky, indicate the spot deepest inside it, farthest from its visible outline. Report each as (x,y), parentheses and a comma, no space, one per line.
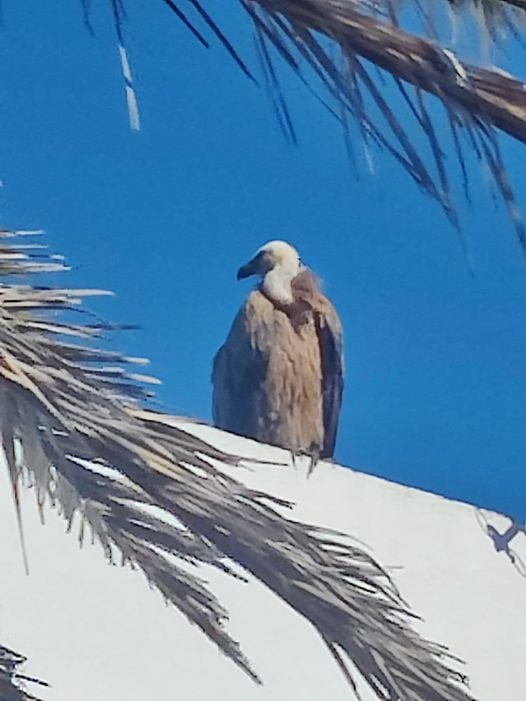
(436,388)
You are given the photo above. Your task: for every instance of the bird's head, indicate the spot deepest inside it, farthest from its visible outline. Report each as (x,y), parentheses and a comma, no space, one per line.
(273,255)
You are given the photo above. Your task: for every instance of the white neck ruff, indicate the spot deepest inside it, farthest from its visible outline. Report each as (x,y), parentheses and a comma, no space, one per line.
(277,285)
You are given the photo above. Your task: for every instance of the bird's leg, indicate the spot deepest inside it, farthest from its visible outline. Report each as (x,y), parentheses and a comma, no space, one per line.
(295,454)
(314,453)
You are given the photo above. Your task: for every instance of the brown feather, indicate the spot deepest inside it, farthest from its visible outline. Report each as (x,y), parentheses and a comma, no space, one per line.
(278,377)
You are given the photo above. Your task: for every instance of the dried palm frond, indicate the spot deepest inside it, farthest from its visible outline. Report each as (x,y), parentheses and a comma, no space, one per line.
(479,102)
(491,8)
(12,682)
(75,426)
(493,16)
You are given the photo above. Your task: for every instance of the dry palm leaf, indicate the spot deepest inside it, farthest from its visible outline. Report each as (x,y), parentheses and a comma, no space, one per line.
(479,102)
(12,682)
(74,425)
(491,9)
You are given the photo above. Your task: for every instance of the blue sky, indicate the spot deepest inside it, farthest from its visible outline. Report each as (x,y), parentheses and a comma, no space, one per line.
(436,389)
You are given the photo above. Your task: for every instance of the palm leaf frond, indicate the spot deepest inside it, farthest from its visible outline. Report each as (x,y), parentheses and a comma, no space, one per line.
(74,424)
(479,102)
(494,14)
(13,683)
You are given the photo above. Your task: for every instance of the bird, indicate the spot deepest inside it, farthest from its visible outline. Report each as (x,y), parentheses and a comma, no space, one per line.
(279,376)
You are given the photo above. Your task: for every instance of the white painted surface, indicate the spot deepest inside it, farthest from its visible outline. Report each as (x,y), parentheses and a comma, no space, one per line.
(98,632)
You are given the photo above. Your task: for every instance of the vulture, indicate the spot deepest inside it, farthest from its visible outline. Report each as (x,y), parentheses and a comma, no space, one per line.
(278,378)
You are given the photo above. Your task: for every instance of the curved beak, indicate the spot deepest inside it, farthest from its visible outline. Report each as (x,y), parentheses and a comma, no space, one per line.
(251,268)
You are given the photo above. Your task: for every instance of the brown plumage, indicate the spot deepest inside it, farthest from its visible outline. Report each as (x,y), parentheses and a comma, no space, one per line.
(278,377)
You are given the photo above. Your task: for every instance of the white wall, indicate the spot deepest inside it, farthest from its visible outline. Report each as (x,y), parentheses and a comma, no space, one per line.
(98,632)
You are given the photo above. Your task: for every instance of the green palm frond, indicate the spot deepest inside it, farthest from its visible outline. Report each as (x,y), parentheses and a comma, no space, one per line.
(13,683)
(75,426)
